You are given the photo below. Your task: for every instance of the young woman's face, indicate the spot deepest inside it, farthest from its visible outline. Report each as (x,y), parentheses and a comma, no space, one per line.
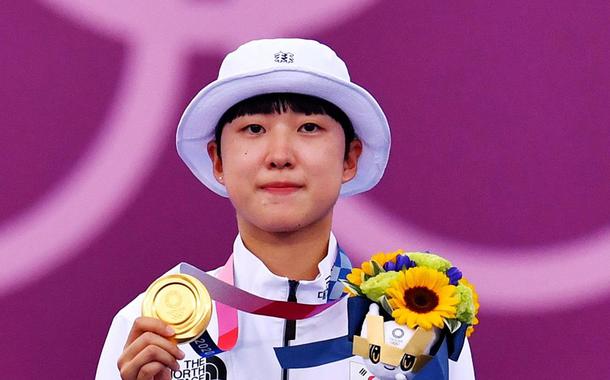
(283,172)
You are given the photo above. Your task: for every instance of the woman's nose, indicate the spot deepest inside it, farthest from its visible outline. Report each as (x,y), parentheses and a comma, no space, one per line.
(281,152)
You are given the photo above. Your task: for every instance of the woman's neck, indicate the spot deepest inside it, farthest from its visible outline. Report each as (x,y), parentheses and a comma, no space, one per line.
(293,254)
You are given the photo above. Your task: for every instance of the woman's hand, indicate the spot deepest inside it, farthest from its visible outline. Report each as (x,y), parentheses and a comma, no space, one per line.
(150,351)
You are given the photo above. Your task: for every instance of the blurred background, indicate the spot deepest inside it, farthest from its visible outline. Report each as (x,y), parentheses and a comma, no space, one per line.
(500,162)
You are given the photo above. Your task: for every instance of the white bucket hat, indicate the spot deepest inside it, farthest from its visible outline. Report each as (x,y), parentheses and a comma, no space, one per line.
(284,65)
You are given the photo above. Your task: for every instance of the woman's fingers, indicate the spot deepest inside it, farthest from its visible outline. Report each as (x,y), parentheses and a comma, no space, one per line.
(153,371)
(150,352)
(151,339)
(164,375)
(149,362)
(144,324)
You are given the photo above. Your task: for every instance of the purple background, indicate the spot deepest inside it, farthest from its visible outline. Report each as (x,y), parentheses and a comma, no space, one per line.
(500,121)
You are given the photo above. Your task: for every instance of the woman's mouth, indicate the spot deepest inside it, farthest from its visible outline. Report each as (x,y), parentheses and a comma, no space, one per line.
(281,187)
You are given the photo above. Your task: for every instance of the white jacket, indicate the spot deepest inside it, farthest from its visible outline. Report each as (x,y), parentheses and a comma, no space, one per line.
(253,356)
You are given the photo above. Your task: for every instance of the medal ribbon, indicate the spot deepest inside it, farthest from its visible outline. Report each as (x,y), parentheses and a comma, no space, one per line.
(229,299)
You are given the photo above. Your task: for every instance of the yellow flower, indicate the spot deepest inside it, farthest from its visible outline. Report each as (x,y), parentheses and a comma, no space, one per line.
(381,258)
(470,329)
(475,298)
(367,268)
(422,297)
(356,276)
(350,292)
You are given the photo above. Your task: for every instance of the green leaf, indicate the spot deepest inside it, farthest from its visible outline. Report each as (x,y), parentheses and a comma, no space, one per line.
(352,287)
(376,268)
(383,301)
(452,324)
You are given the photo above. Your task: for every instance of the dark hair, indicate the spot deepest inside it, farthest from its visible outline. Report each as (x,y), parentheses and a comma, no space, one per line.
(281,102)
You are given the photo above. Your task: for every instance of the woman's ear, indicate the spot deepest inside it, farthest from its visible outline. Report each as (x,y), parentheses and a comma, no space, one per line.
(350,164)
(216,161)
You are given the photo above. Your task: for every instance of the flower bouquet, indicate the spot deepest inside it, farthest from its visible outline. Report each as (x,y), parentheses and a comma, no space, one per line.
(421,308)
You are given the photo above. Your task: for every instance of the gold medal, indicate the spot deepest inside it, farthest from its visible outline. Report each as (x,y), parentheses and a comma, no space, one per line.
(182,302)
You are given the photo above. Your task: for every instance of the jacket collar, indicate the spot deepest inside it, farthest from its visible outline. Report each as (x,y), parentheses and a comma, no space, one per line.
(251,275)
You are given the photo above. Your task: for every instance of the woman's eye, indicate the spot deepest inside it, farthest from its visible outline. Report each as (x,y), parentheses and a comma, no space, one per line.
(255,129)
(310,127)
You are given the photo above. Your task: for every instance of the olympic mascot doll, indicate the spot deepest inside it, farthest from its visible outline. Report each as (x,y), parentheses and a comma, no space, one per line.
(420,310)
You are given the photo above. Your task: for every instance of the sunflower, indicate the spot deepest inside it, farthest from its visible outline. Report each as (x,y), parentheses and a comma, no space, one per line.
(422,297)
(356,276)
(475,298)
(381,258)
(367,268)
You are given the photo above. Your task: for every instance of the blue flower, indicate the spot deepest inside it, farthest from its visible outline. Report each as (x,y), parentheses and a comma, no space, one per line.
(454,275)
(404,262)
(389,266)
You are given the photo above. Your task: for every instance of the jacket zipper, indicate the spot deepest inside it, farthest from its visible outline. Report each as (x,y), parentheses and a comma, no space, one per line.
(290,327)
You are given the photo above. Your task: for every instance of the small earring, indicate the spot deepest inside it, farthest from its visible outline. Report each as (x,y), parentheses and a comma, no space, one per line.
(220,178)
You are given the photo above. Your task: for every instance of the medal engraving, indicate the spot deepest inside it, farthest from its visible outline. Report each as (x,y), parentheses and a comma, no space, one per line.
(175,303)
(182,302)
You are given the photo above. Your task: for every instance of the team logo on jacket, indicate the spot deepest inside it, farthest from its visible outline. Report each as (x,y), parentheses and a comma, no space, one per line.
(211,368)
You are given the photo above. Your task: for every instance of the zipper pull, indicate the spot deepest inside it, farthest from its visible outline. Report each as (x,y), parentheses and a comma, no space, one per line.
(290,327)
(292,290)
(290,330)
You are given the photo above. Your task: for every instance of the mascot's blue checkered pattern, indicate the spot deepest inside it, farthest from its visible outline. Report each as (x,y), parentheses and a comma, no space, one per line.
(341,269)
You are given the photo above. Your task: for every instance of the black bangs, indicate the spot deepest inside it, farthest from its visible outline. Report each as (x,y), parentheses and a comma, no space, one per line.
(267,104)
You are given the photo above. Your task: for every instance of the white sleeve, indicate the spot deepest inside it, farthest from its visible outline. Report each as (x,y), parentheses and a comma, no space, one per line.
(463,369)
(107,368)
